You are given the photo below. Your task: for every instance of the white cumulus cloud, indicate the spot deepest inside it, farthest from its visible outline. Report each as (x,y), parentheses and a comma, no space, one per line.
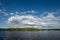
(49,21)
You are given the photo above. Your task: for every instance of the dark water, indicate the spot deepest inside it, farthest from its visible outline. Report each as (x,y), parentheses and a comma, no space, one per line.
(29,35)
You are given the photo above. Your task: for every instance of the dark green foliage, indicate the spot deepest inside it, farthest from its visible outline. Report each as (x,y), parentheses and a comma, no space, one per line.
(27,29)
(19,29)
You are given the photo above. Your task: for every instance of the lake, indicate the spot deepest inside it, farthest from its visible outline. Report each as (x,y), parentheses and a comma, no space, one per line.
(30,35)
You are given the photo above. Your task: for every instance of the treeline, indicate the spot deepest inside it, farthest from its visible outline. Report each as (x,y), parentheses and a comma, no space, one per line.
(19,29)
(27,29)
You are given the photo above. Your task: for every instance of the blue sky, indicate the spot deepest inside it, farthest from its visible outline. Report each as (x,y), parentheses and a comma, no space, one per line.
(16,13)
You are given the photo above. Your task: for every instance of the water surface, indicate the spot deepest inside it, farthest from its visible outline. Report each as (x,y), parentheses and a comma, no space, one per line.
(30,35)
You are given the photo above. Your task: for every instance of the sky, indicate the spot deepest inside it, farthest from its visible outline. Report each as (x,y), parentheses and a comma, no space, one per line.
(29,13)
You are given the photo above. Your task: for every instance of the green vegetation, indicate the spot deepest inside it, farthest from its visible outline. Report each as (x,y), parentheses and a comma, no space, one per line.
(19,29)
(27,29)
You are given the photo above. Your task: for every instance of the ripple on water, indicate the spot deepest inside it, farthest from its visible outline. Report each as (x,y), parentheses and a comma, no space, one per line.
(30,35)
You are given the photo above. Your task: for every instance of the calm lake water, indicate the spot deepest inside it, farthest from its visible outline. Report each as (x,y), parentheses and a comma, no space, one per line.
(29,35)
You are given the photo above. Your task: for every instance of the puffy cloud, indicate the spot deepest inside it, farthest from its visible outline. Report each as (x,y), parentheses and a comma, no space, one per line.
(49,21)
(17,12)
(32,11)
(11,13)
(23,21)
